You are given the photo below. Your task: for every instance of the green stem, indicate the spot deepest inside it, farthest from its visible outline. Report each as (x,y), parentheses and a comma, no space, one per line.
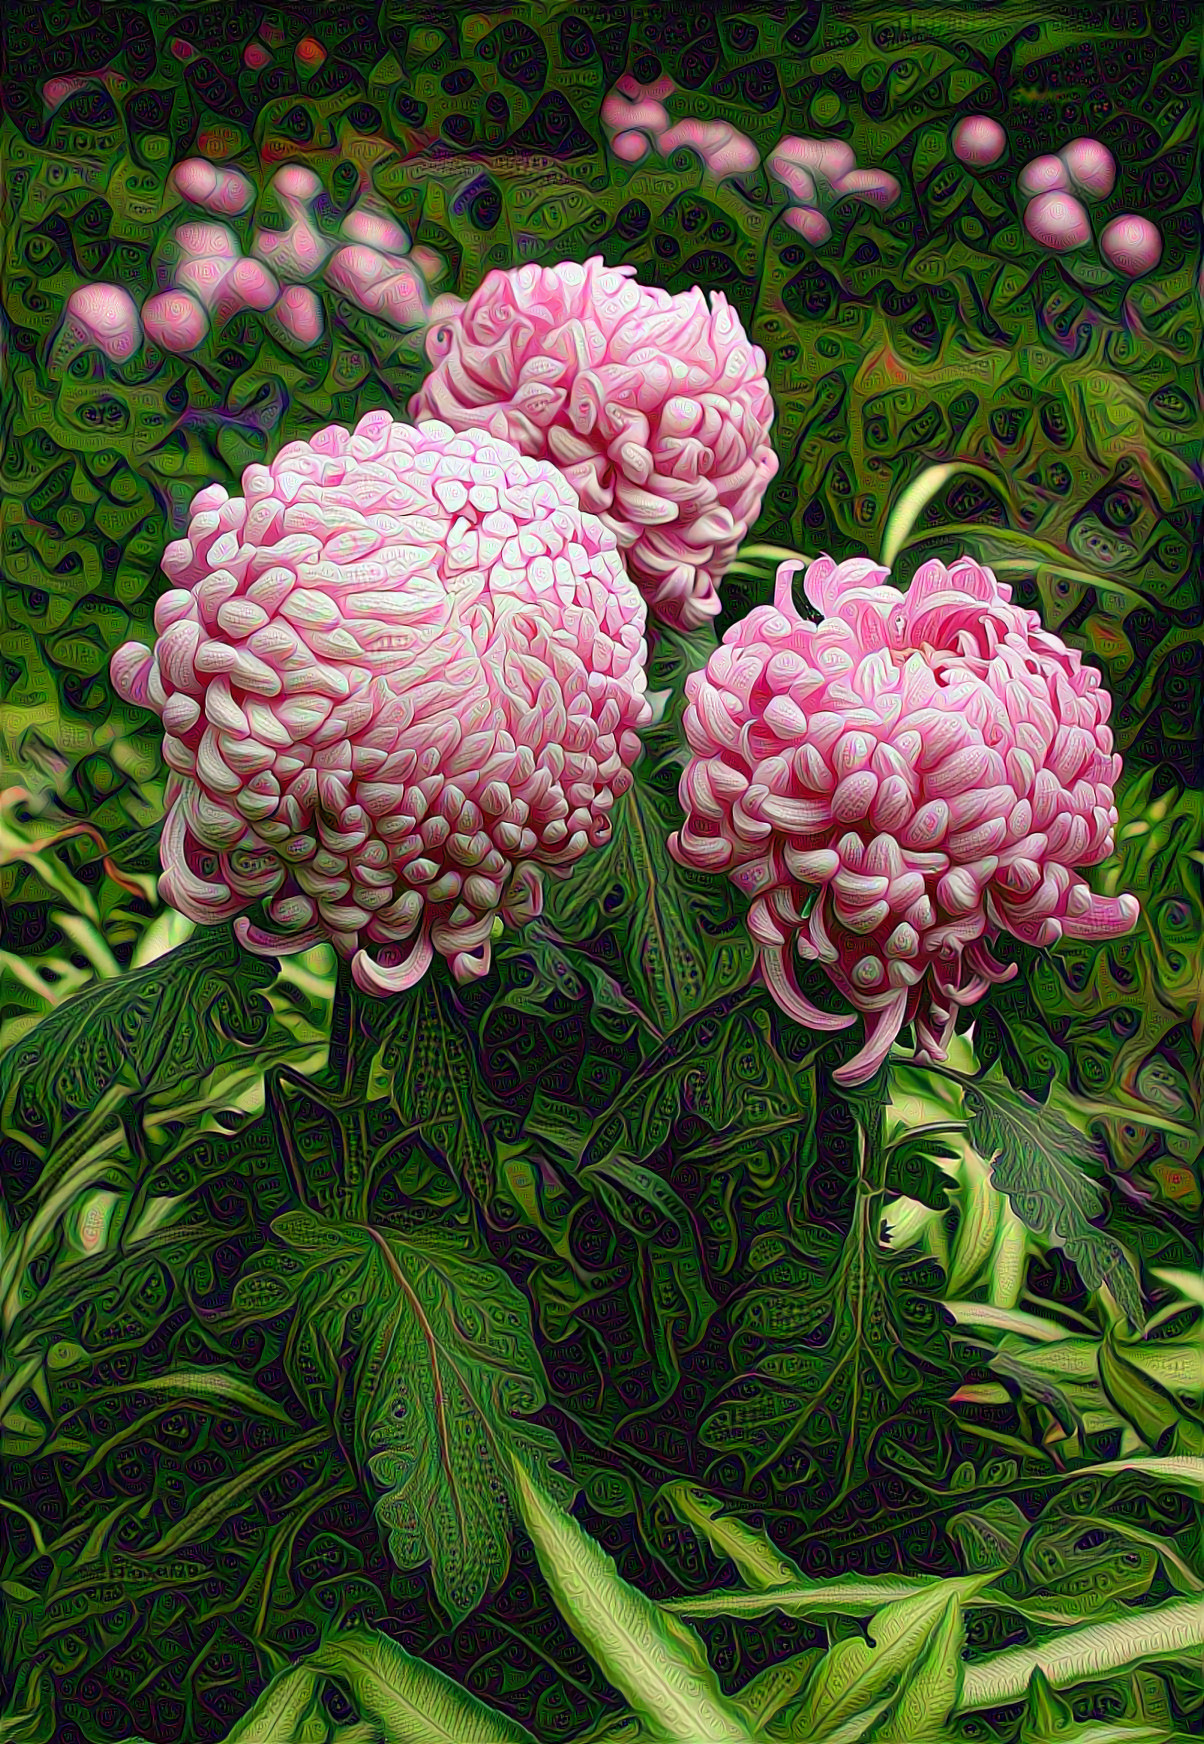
(868,1105)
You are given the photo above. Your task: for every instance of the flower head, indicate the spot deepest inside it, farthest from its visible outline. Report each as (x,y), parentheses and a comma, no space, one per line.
(399,676)
(655,407)
(897,785)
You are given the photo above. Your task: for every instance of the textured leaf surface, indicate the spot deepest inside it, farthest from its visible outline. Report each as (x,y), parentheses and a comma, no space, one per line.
(657,1662)
(445,1382)
(1044,1166)
(411,1702)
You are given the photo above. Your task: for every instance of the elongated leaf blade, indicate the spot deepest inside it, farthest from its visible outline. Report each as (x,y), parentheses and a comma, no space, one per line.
(759,1562)
(929,1693)
(855,1673)
(654,1660)
(411,1701)
(847,1595)
(286,1713)
(1081,1654)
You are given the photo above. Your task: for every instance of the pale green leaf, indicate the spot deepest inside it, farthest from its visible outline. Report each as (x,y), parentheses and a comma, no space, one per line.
(928,1694)
(286,1713)
(760,1564)
(654,1660)
(855,1673)
(410,1701)
(846,1595)
(1096,1651)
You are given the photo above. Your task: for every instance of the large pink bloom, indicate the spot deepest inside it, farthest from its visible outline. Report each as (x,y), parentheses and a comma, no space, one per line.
(398,677)
(655,407)
(898,785)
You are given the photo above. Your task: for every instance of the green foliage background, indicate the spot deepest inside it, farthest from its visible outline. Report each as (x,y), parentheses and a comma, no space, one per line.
(610,1169)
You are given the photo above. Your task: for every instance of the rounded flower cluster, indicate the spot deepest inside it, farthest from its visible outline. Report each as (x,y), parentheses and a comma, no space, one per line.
(398,677)
(896,786)
(655,407)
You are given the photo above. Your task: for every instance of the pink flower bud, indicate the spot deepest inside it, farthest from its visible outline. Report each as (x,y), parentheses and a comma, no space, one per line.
(104,316)
(979,141)
(218,190)
(1044,175)
(175,320)
(630,146)
(1057,221)
(875,186)
(1132,245)
(809,223)
(1090,167)
(298,316)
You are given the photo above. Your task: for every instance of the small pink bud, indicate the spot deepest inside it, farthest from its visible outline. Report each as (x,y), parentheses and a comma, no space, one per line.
(1057,221)
(175,320)
(829,158)
(629,147)
(1044,175)
(299,315)
(1132,245)
(104,316)
(1090,167)
(809,223)
(876,186)
(978,140)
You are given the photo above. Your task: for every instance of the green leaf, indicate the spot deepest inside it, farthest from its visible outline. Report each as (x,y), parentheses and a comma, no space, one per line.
(446,1381)
(929,1692)
(173,1021)
(1047,1718)
(855,1673)
(224,1500)
(990,1535)
(1083,1654)
(1138,1399)
(655,1661)
(846,1595)
(286,1713)
(1044,1166)
(758,1561)
(410,1701)
(680,933)
(429,1053)
(1180,1471)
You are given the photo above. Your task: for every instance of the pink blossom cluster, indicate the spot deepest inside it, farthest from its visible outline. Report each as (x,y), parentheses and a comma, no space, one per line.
(637,122)
(204,279)
(655,407)
(897,785)
(818,172)
(1056,187)
(399,677)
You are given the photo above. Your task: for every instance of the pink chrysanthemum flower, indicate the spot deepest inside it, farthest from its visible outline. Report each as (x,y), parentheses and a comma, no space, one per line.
(399,676)
(655,407)
(895,787)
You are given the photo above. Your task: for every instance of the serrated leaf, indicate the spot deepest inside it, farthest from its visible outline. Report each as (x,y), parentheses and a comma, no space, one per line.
(1044,1166)
(410,1701)
(760,1564)
(1083,1654)
(174,1020)
(654,1660)
(446,1381)
(928,1694)
(855,1673)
